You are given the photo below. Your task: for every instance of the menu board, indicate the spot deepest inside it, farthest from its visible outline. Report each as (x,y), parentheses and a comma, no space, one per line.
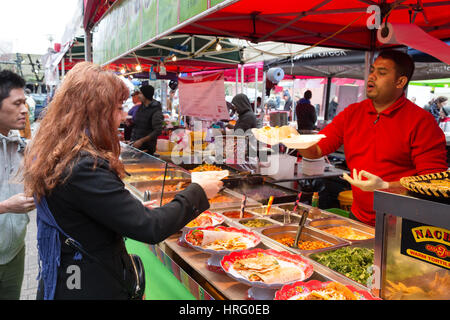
(426,243)
(203,96)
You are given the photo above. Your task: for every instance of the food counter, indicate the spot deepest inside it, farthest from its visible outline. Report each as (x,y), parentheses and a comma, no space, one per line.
(202,273)
(404,257)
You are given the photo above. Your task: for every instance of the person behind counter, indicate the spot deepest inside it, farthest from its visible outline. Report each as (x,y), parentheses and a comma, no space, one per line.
(148,121)
(72,169)
(386,136)
(246,117)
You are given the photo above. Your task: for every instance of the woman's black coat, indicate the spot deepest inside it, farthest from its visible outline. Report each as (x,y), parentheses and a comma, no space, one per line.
(94,208)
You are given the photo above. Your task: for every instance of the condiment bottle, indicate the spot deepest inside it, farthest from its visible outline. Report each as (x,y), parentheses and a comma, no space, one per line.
(315,212)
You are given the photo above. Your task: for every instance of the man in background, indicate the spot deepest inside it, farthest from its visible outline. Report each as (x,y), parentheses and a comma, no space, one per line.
(148,121)
(14,205)
(306,113)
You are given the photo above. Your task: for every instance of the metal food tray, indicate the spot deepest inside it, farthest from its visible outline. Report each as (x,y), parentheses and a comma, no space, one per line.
(261,209)
(257,183)
(222,166)
(329,271)
(324,223)
(273,223)
(143,186)
(304,207)
(170,174)
(274,233)
(234,204)
(236,208)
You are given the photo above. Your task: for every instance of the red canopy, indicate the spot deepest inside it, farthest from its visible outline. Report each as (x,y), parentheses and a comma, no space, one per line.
(94,10)
(308,22)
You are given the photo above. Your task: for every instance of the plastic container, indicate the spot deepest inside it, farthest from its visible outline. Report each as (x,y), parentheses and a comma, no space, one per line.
(279,166)
(313,167)
(346,200)
(339,212)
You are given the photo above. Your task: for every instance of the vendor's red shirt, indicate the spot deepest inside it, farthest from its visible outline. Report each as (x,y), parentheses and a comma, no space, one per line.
(404,140)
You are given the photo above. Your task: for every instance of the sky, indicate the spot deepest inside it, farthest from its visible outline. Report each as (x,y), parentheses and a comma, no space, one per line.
(26,25)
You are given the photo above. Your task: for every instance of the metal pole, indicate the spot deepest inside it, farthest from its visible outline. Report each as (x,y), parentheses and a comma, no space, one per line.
(88,45)
(327,98)
(63,68)
(256,87)
(242,78)
(237,76)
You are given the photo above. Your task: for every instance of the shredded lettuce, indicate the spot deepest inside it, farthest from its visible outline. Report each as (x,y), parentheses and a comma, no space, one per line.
(355,263)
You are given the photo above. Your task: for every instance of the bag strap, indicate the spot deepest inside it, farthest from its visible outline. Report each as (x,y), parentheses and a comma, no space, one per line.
(74,245)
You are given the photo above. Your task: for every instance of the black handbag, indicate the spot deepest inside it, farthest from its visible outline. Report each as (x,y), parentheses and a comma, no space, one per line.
(138,288)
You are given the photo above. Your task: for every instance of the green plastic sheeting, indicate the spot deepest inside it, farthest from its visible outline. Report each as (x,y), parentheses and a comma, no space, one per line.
(161,284)
(432,83)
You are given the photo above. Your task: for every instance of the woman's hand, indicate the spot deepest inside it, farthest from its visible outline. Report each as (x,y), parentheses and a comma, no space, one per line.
(149,204)
(210,186)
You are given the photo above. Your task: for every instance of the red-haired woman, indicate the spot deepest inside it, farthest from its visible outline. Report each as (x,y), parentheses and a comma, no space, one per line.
(72,169)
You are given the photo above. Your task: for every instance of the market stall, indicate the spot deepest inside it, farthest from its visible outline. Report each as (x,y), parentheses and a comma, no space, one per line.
(216,272)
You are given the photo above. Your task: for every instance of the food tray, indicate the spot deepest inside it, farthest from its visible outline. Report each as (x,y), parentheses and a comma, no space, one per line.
(433,184)
(302,208)
(262,209)
(235,201)
(366,245)
(258,189)
(222,166)
(308,234)
(155,186)
(279,217)
(325,223)
(300,288)
(156,175)
(272,223)
(247,214)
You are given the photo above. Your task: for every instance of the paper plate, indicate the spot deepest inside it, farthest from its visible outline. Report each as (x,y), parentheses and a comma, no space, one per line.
(301,289)
(205,175)
(284,258)
(213,263)
(263,138)
(303,141)
(216,219)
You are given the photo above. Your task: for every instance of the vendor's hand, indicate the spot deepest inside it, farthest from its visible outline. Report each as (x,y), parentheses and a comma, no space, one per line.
(137,144)
(210,186)
(18,203)
(372,183)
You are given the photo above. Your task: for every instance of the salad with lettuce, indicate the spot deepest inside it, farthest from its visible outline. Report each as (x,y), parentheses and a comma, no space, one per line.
(355,263)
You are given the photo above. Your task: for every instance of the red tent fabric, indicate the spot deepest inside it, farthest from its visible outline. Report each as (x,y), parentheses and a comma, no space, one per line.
(308,22)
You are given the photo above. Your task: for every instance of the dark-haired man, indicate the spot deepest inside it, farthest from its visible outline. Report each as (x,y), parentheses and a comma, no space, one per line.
(386,136)
(13,203)
(306,113)
(148,121)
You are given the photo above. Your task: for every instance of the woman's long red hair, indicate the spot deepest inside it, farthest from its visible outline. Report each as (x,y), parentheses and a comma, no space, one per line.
(81,117)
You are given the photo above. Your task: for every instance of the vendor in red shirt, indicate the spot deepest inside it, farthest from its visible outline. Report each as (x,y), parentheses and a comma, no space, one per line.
(386,137)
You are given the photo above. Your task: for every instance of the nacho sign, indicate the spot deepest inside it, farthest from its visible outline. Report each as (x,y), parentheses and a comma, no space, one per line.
(427,243)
